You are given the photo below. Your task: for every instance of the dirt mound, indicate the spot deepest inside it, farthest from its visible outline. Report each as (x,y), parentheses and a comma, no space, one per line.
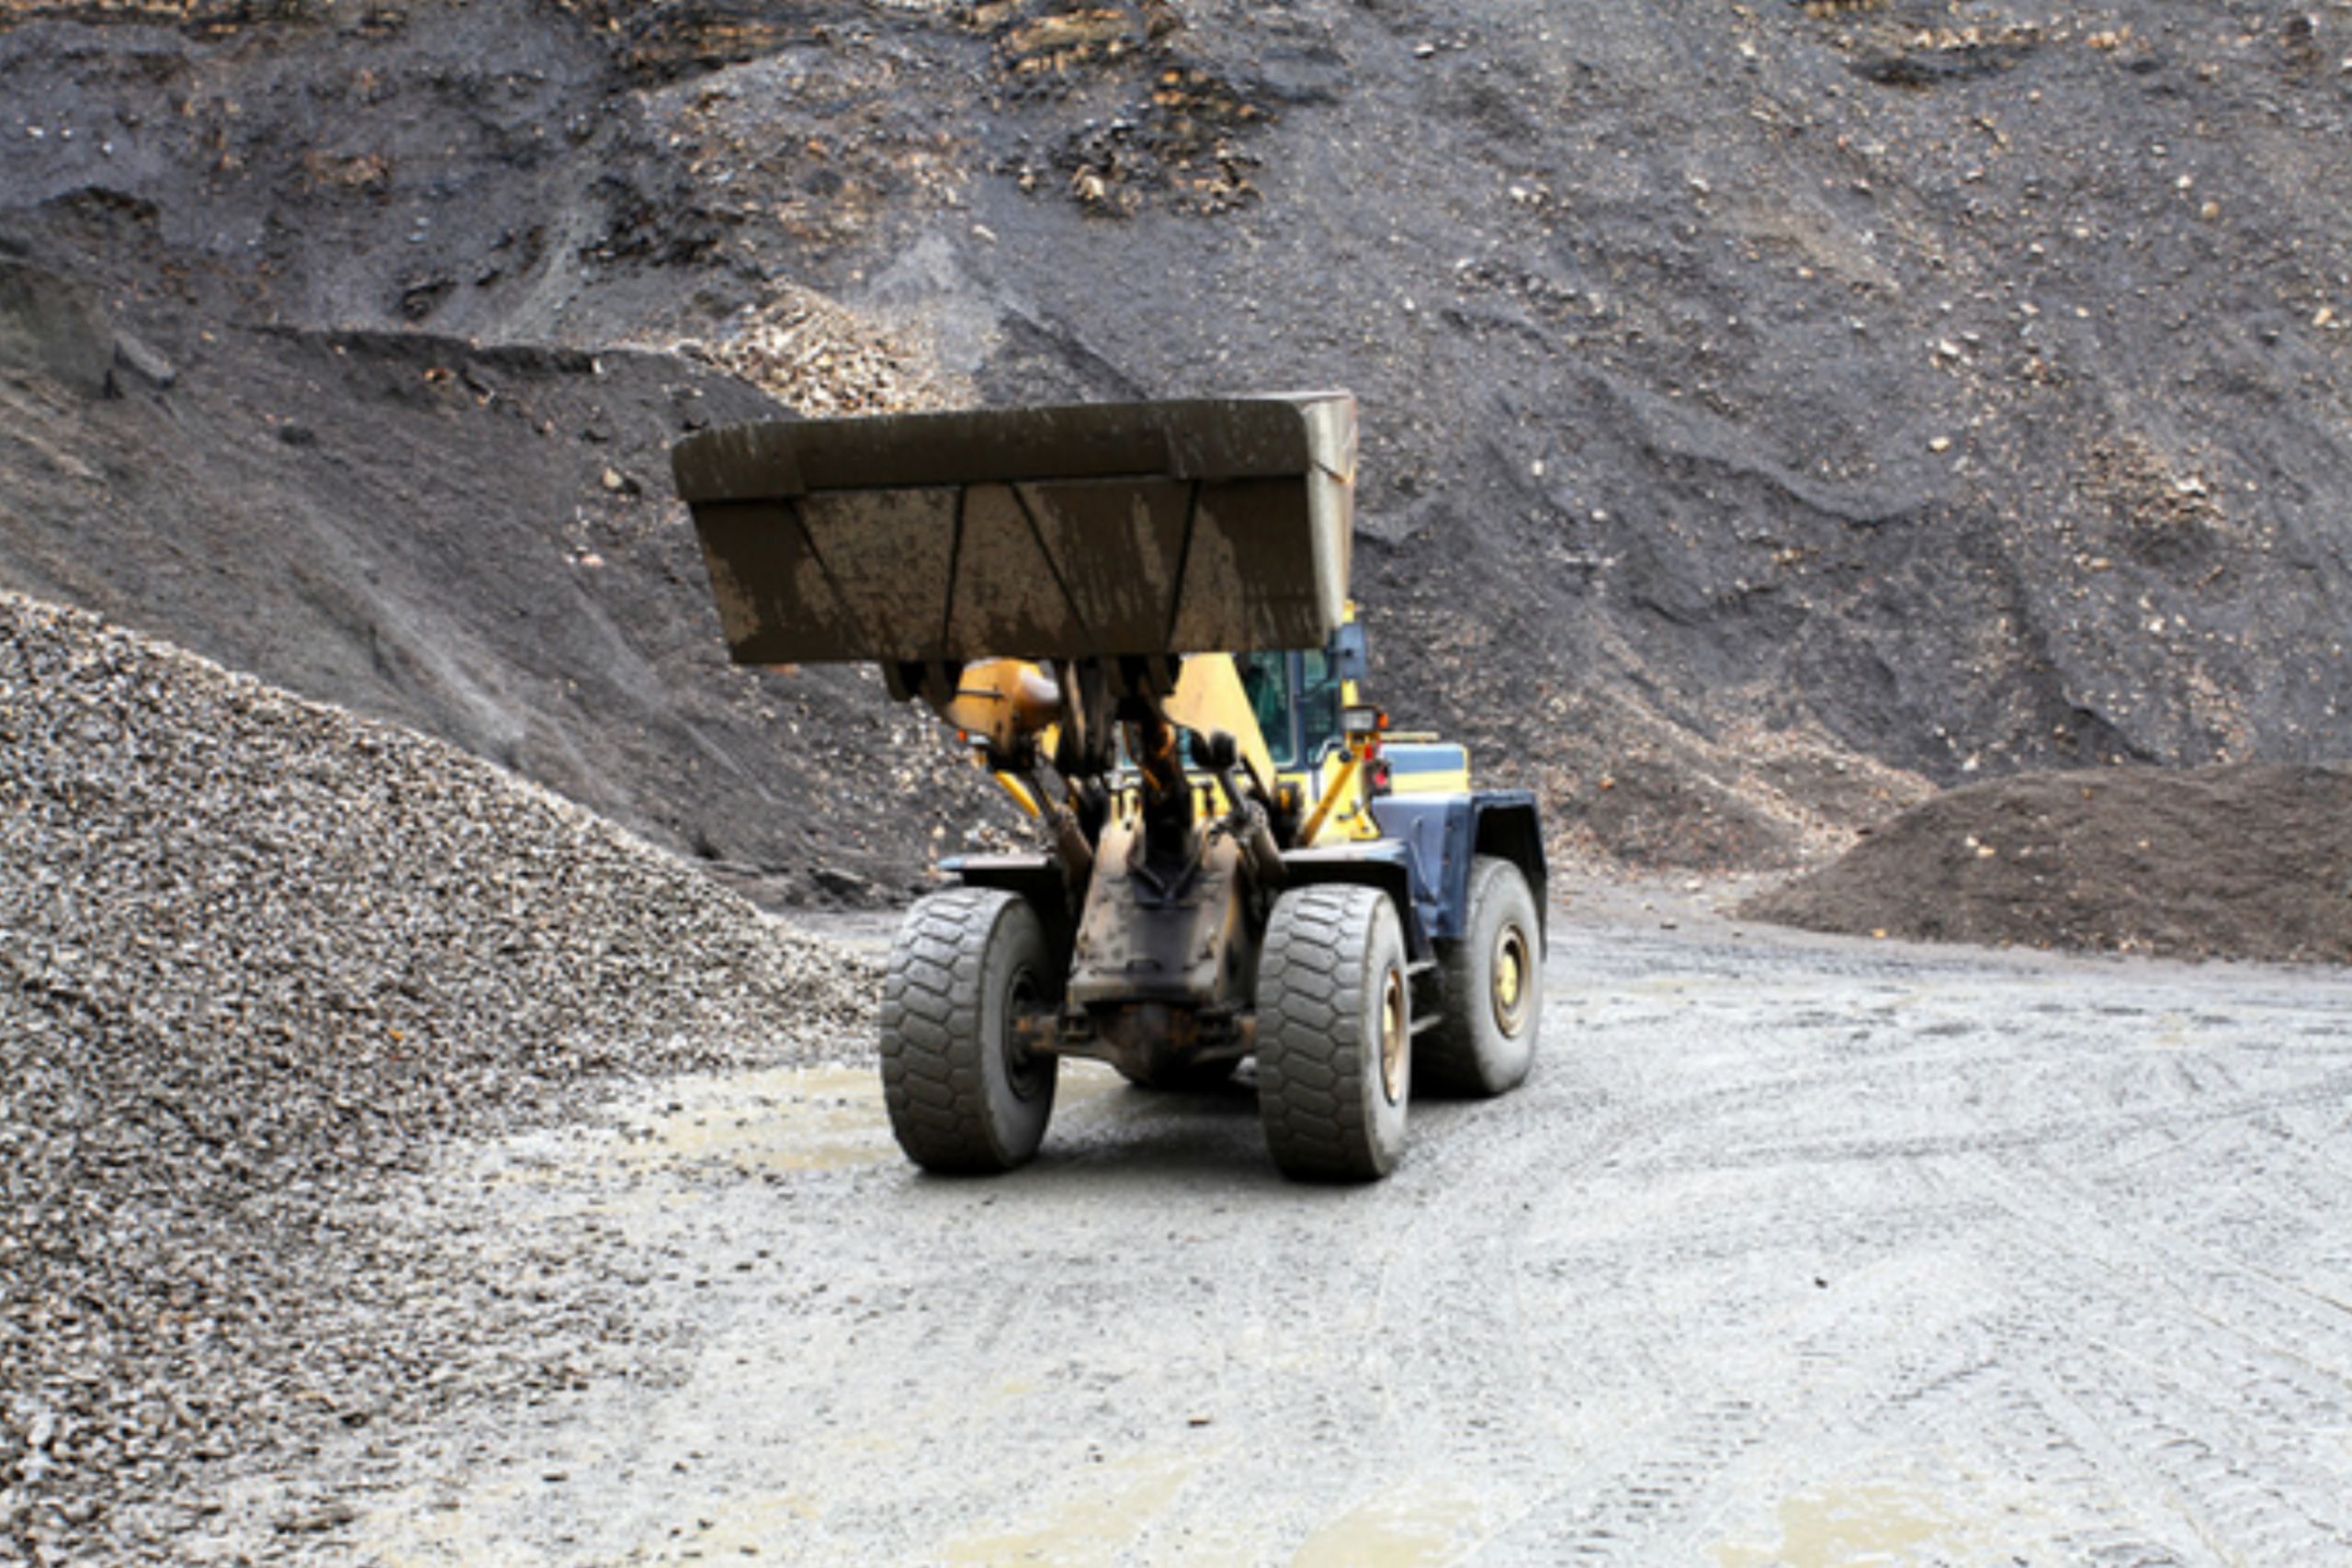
(256,955)
(2251,861)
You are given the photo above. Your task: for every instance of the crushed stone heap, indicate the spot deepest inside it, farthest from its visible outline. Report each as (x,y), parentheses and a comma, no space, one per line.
(255,955)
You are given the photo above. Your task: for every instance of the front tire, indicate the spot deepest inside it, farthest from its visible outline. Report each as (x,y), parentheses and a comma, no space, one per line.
(964,1094)
(1334,1034)
(1484,1043)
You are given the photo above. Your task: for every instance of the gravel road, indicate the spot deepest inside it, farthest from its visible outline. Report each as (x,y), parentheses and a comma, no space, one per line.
(1796,1251)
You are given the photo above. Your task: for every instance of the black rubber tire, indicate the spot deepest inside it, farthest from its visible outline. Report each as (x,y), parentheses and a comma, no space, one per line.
(1333,966)
(1480,1047)
(963,1097)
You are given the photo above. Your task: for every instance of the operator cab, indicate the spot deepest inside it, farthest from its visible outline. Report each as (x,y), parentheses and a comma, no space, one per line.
(1295,698)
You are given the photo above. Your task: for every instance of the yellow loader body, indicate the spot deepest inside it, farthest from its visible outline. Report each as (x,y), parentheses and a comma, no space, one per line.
(1136,613)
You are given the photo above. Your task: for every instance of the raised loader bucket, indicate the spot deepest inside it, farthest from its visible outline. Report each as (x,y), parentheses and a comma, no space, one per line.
(1104,529)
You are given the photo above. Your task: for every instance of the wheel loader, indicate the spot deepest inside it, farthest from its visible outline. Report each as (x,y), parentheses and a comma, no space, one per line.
(1136,615)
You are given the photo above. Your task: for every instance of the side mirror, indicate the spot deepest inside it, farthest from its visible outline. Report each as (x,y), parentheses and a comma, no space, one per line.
(1350,655)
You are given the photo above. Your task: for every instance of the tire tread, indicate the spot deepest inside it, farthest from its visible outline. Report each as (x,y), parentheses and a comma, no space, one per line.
(1312,1053)
(933,1027)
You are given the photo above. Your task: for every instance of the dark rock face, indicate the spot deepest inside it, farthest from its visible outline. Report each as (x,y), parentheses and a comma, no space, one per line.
(1769,412)
(52,329)
(474,542)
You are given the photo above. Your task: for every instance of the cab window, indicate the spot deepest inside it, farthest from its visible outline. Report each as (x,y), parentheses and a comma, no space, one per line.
(1318,701)
(1296,700)
(1265,677)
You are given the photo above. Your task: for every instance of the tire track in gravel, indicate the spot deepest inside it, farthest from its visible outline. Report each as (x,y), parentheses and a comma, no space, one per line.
(1625,1519)
(1789,1252)
(2254,1369)
(1657,1493)
(1462,1273)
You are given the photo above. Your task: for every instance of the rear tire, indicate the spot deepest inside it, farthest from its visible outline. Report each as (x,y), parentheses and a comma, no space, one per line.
(1334,1034)
(1484,1043)
(964,1094)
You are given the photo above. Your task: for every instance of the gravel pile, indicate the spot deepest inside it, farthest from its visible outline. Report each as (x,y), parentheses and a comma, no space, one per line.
(258,956)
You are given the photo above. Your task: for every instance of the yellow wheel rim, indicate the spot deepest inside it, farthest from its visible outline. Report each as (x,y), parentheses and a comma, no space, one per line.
(1396,1031)
(1513,979)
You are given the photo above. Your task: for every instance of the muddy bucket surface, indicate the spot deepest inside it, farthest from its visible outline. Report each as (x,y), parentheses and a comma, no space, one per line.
(1101,529)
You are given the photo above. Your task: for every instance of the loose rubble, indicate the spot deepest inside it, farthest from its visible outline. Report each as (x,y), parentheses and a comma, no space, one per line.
(259,957)
(823,361)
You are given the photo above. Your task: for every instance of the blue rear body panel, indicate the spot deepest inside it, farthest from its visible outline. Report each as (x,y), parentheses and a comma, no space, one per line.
(1424,854)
